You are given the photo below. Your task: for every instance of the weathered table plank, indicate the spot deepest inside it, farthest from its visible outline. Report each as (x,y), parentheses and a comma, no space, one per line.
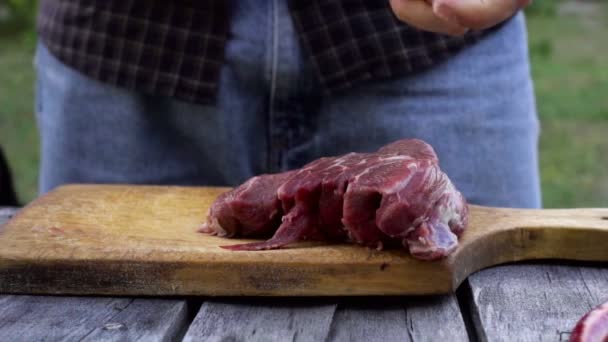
(534,302)
(435,318)
(265,319)
(6,213)
(344,319)
(33,318)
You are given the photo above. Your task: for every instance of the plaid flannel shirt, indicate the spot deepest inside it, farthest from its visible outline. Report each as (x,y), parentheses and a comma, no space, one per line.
(175,48)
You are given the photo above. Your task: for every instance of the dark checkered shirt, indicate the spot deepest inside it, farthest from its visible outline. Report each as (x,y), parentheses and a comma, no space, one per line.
(175,48)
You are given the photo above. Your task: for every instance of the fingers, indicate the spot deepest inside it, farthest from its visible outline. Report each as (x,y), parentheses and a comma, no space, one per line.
(477,14)
(455,17)
(419,13)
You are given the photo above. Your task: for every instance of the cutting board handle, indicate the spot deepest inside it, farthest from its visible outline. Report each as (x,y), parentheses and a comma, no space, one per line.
(504,235)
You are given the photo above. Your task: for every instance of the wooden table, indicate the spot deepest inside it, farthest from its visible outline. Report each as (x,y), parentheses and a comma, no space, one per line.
(526,302)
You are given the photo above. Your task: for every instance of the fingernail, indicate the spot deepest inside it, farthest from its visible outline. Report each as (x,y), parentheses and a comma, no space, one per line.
(444,12)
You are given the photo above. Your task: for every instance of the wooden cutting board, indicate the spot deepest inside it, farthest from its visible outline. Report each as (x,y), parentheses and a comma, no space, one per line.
(142,240)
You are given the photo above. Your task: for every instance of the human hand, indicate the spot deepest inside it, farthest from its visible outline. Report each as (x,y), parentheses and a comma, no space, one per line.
(455,17)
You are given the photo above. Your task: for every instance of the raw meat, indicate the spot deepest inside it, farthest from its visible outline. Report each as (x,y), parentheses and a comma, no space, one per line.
(395,196)
(593,326)
(252,209)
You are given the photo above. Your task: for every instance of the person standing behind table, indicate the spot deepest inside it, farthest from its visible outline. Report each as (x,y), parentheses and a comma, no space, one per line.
(214,92)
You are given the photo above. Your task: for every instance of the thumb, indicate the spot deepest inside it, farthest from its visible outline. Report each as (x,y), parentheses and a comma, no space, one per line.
(477,14)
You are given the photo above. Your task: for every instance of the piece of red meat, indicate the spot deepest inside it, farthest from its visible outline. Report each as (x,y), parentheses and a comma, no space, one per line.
(397,195)
(249,210)
(593,326)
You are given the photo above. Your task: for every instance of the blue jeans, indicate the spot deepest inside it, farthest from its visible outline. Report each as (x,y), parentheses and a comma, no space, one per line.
(477,110)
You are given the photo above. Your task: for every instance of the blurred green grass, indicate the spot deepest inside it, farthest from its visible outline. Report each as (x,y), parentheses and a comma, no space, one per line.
(18,131)
(569,58)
